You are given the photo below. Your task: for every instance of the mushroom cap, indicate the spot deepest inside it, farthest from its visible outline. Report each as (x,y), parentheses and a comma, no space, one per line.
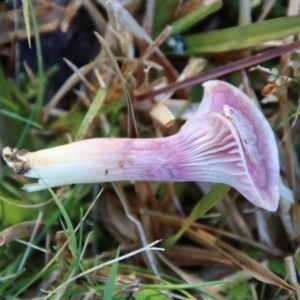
(245,154)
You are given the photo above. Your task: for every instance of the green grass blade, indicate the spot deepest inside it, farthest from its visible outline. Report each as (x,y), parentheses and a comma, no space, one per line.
(41,75)
(24,132)
(69,203)
(297,261)
(10,105)
(242,36)
(4,87)
(90,115)
(163,10)
(36,113)
(149,294)
(19,118)
(20,99)
(27,20)
(70,228)
(205,204)
(110,285)
(191,19)
(287,120)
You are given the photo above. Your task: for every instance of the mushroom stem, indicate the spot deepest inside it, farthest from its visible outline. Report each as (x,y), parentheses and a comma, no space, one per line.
(228,140)
(100,160)
(174,158)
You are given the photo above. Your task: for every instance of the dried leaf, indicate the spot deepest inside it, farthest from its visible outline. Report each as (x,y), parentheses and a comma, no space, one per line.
(61,239)
(268,89)
(22,230)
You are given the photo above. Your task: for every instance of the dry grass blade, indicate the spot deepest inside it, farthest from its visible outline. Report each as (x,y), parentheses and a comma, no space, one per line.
(176,222)
(30,74)
(148,20)
(22,230)
(83,98)
(24,205)
(244,261)
(131,118)
(268,4)
(48,18)
(237,222)
(189,278)
(197,257)
(96,16)
(70,12)
(81,76)
(35,230)
(117,223)
(154,45)
(193,67)
(150,257)
(245,12)
(143,40)
(66,87)
(292,275)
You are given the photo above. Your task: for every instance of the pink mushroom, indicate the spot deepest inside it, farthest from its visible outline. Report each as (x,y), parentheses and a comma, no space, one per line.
(228,140)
